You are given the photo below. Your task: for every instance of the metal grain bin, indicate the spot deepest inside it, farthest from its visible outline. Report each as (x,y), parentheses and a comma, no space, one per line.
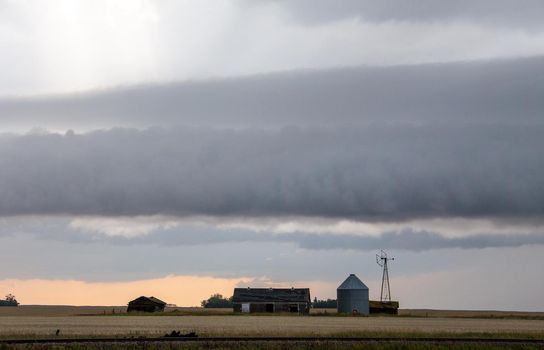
(352,296)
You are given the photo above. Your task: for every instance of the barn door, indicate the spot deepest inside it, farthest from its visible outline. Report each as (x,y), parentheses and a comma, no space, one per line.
(269,307)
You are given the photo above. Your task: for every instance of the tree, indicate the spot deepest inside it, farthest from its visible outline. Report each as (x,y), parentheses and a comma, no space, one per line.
(324,304)
(217,301)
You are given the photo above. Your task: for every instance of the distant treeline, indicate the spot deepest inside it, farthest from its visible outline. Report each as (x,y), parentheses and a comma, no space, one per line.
(217,301)
(324,304)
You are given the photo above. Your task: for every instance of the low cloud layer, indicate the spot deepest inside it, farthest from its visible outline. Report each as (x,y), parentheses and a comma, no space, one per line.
(405,240)
(506,91)
(510,13)
(381,172)
(416,241)
(166,233)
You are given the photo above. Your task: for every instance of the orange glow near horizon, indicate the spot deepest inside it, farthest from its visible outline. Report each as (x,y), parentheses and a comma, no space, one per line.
(179,290)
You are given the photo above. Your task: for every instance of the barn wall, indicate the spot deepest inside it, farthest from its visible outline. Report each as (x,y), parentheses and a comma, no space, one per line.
(144,307)
(303,308)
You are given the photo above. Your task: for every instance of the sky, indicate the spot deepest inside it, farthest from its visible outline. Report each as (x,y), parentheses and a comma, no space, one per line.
(184,148)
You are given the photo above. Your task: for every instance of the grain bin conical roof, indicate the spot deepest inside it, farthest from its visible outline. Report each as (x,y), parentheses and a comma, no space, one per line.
(353,282)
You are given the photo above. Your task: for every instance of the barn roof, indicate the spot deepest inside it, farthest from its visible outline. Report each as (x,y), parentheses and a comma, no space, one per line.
(144,299)
(290,295)
(352,282)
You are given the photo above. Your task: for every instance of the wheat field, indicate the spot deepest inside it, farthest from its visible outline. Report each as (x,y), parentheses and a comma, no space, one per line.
(43,321)
(41,326)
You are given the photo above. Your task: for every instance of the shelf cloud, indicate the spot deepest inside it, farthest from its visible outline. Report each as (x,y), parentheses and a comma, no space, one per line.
(379,172)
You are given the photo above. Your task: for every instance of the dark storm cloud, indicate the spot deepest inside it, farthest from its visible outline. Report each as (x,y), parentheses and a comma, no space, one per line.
(516,13)
(383,172)
(486,91)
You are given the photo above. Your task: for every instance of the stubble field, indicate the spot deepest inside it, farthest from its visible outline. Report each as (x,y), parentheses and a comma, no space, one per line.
(42,321)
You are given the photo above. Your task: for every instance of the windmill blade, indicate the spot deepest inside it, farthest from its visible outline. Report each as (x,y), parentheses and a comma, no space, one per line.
(379,260)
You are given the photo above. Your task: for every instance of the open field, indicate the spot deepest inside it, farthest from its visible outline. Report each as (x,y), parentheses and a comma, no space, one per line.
(93,326)
(470,314)
(63,310)
(37,322)
(59,310)
(41,322)
(275,344)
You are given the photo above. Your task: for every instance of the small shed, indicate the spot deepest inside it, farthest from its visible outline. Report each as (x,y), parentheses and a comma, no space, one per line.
(263,300)
(8,303)
(146,304)
(352,296)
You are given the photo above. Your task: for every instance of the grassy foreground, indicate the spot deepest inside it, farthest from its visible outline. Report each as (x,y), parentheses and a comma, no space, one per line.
(274,346)
(38,322)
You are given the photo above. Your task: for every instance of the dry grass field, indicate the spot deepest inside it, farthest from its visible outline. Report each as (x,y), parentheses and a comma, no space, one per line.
(257,325)
(64,310)
(59,310)
(43,321)
(470,314)
(34,322)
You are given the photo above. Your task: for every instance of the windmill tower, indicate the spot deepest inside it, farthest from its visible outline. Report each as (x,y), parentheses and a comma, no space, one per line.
(382,260)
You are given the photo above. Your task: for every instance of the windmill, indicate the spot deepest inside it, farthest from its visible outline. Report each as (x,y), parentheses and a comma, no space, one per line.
(386,290)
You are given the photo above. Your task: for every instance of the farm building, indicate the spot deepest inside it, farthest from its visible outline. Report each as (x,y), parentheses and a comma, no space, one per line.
(146,304)
(352,296)
(9,301)
(294,300)
(384,307)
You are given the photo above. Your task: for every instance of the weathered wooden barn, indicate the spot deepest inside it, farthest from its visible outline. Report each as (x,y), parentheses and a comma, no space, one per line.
(262,300)
(146,304)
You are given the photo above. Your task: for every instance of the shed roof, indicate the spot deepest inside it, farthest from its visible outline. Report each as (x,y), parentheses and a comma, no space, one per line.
(144,299)
(353,282)
(289,295)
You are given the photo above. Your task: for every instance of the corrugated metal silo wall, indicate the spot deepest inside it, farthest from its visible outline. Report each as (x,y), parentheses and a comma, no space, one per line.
(352,299)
